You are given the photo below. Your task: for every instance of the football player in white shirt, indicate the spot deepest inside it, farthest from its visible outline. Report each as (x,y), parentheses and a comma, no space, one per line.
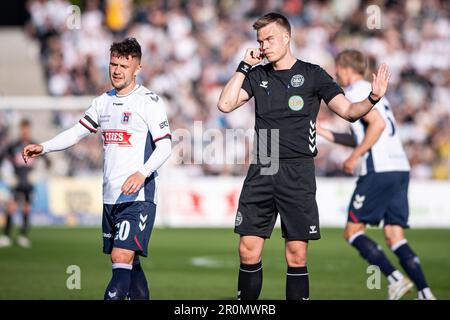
(136,142)
(382,189)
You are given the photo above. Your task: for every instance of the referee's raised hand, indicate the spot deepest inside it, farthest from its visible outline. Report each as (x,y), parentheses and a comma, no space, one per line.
(253,56)
(380,81)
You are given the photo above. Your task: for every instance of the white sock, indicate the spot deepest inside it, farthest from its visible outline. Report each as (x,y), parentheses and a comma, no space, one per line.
(425,294)
(395,276)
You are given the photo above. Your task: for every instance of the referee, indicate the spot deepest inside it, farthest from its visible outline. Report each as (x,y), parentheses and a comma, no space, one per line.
(287,95)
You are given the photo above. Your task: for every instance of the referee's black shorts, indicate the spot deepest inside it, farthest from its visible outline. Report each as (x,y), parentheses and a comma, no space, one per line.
(291,192)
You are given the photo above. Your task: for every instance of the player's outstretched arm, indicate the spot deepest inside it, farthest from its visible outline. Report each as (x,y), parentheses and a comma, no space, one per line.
(62,141)
(345,139)
(355,111)
(327,134)
(376,125)
(232,95)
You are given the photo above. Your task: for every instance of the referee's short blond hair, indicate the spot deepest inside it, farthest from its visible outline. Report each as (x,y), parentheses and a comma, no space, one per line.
(353,59)
(272,17)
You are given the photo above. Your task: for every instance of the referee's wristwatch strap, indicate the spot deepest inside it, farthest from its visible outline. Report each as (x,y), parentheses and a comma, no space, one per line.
(244,68)
(372,101)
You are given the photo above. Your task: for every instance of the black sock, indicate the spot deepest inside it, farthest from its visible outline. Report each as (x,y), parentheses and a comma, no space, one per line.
(250,281)
(411,264)
(370,251)
(297,283)
(119,285)
(25,225)
(8,225)
(138,286)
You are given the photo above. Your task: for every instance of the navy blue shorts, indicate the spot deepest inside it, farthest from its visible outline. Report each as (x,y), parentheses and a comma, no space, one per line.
(381,196)
(128,225)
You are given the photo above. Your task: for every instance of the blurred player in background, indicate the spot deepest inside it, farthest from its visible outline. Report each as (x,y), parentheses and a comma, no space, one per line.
(22,189)
(382,189)
(136,142)
(287,95)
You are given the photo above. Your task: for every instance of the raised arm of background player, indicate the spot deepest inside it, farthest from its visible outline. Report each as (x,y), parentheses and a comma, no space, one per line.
(233,96)
(72,136)
(374,130)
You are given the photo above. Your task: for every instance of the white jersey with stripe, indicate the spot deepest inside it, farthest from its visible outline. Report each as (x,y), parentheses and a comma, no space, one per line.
(130,126)
(387,154)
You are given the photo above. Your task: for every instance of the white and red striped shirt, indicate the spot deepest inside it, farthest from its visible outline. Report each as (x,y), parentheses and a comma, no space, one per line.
(130,126)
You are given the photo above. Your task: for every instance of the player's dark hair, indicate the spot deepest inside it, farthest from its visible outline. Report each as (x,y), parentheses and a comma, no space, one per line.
(25,123)
(272,17)
(353,59)
(126,47)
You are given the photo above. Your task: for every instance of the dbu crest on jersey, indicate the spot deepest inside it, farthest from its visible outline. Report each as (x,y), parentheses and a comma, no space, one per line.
(126,117)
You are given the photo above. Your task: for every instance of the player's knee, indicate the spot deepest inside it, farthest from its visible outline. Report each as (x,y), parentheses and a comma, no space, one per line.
(249,255)
(296,260)
(26,208)
(11,208)
(351,230)
(296,256)
(389,240)
(348,234)
(122,256)
(392,238)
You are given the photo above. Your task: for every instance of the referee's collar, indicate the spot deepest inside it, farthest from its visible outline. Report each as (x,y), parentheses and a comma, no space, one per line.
(284,70)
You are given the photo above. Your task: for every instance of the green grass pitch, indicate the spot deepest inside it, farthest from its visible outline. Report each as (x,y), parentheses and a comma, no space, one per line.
(203,264)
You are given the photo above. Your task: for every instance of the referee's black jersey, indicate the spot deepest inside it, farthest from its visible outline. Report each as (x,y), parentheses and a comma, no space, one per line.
(289,100)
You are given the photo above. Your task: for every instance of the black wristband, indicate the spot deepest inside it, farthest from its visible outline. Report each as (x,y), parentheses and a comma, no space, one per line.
(373,102)
(244,68)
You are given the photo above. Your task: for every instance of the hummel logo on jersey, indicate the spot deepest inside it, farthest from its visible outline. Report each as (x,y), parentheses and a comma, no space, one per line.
(359,201)
(119,137)
(312,229)
(112,294)
(312,136)
(142,221)
(153,96)
(264,84)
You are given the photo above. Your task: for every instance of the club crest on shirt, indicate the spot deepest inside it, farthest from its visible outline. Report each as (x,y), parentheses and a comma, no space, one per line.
(126,117)
(297,80)
(296,103)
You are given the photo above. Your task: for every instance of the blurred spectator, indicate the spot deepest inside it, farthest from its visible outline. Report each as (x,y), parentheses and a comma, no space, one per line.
(191,47)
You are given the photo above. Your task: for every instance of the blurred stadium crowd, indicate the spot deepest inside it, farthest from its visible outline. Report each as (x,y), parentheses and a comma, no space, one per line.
(191,48)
